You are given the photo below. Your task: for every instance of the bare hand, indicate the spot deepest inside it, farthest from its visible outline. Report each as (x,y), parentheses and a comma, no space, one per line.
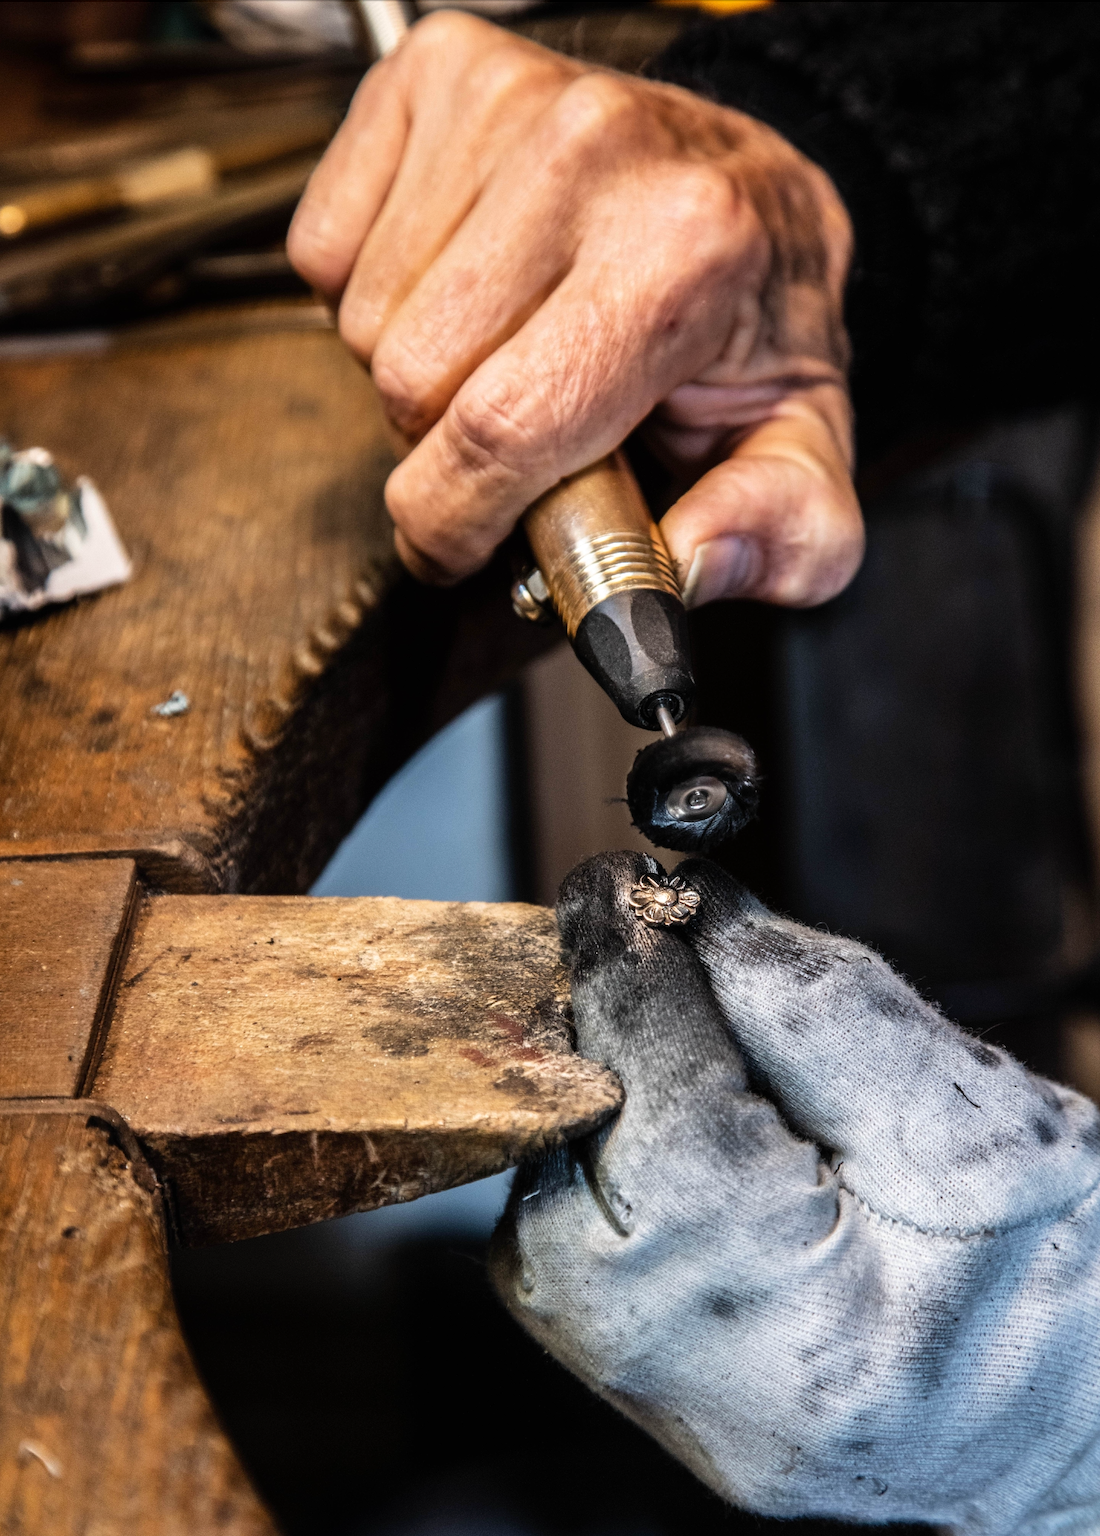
(534,256)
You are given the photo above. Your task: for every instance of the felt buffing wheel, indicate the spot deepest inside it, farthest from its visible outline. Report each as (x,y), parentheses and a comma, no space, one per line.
(693,790)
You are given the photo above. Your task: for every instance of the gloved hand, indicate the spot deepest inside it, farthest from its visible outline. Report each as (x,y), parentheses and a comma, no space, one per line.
(838,1256)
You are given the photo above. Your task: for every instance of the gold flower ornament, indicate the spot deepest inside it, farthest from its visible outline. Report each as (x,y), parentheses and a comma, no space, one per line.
(662,903)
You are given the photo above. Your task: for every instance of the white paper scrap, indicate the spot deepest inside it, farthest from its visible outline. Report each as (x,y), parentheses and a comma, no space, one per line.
(97,559)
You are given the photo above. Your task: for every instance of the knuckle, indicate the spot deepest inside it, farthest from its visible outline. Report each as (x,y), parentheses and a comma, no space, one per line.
(490,429)
(485,69)
(403,384)
(703,216)
(704,197)
(442,33)
(595,106)
(499,74)
(703,233)
(450,46)
(443,545)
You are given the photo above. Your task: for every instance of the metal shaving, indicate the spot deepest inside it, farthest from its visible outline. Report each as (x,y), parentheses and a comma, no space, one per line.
(177,703)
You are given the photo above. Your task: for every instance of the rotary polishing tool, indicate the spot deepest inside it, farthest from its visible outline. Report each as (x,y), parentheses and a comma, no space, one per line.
(602,566)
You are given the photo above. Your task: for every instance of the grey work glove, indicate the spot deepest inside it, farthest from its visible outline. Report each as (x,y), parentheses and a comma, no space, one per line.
(836,1255)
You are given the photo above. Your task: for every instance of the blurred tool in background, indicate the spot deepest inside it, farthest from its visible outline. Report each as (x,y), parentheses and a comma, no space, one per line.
(154,153)
(190,170)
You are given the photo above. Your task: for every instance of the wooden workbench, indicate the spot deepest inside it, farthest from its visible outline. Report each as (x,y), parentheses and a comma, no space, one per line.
(190,1049)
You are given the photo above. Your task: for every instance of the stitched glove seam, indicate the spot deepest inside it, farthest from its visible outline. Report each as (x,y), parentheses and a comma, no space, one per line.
(966,1234)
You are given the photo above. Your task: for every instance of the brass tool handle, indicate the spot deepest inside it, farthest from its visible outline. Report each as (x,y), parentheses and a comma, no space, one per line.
(607,572)
(592,536)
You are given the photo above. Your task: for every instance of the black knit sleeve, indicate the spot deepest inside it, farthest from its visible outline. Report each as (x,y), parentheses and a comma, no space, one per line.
(964,136)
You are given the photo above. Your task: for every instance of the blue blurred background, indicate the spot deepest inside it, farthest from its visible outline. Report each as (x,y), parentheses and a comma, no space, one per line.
(439,829)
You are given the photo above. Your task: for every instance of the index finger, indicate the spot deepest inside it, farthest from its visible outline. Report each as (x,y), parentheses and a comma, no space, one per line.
(347,190)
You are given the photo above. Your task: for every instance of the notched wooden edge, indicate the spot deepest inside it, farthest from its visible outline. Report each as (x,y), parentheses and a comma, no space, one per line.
(171,864)
(102,1117)
(265,719)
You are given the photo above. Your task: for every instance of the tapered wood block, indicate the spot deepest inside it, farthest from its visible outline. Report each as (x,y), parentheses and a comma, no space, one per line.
(287,1059)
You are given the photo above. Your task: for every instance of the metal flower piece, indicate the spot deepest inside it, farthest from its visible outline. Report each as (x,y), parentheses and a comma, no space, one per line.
(662,903)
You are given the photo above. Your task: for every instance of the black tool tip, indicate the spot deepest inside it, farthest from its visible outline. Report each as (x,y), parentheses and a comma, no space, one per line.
(635,644)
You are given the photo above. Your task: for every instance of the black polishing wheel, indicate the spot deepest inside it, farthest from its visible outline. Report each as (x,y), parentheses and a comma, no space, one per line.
(694,790)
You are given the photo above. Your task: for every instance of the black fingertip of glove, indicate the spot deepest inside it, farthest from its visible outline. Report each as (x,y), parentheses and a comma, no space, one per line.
(592,899)
(641,1000)
(621,969)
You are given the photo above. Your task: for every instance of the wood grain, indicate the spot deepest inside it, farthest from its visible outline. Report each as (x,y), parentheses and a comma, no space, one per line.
(283,1060)
(104,1427)
(63,925)
(245,475)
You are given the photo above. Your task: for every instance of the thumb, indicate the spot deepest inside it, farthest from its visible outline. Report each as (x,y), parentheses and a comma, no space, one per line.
(778,520)
(932,1126)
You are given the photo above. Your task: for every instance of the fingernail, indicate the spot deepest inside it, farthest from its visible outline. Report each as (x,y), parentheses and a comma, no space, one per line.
(722,567)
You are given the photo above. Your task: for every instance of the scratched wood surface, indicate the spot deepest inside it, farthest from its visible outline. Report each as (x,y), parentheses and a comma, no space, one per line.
(61,926)
(105,1429)
(287,1059)
(245,475)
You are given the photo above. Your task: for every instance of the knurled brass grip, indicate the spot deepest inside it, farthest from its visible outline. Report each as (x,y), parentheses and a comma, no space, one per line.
(592,536)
